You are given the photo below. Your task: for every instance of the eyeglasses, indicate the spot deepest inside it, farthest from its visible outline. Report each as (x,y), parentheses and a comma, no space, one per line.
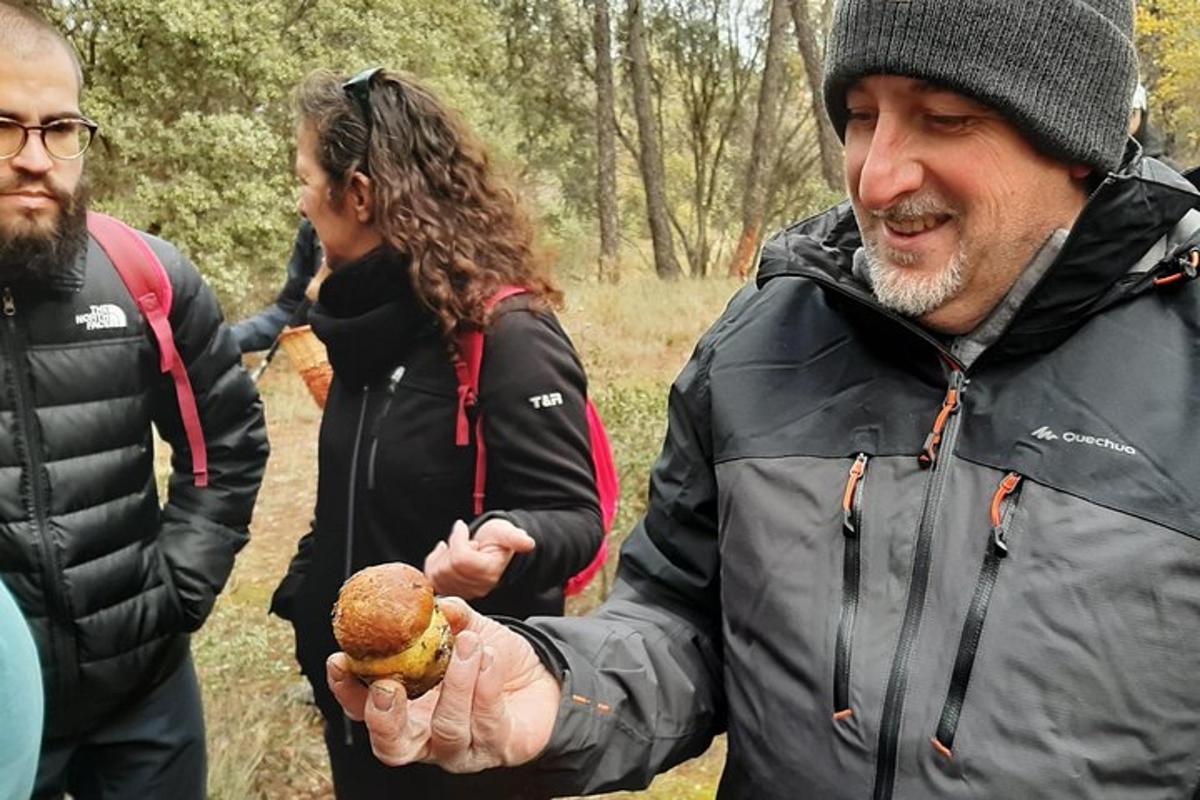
(359,90)
(64,139)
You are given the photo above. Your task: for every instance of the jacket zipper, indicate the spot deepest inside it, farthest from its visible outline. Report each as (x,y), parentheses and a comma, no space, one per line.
(968,644)
(852,505)
(393,381)
(929,451)
(60,649)
(351,497)
(893,704)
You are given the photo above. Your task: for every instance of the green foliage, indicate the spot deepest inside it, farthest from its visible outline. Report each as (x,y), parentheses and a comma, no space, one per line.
(195,105)
(1169,44)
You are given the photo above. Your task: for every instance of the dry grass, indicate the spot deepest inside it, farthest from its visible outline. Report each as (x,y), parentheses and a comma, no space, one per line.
(264,737)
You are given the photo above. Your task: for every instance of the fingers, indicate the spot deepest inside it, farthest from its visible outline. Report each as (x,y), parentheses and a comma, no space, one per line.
(347,689)
(436,560)
(450,728)
(489,722)
(502,533)
(460,536)
(460,615)
(396,738)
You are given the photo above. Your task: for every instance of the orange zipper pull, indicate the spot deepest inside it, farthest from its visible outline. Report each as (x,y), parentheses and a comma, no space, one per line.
(1006,487)
(856,473)
(950,405)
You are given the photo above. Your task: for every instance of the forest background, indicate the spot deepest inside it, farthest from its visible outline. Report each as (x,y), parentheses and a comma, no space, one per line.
(660,135)
(654,140)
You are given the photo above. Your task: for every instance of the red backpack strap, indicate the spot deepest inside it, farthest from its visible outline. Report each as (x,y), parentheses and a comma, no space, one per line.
(147,281)
(608,490)
(467,366)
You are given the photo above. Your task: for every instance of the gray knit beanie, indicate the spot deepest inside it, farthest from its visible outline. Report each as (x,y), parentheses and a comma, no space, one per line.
(1062,71)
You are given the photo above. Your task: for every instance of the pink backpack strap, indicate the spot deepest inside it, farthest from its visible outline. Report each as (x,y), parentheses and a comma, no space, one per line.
(608,490)
(147,281)
(467,366)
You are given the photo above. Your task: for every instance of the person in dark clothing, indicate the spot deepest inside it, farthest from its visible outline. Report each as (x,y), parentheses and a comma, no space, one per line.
(926,522)
(111,582)
(260,331)
(1147,134)
(418,235)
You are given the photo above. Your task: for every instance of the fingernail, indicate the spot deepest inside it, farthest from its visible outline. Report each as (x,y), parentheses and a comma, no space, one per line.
(337,672)
(384,697)
(465,647)
(489,657)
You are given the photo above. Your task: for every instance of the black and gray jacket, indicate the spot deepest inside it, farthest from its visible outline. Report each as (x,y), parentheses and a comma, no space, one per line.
(392,480)
(111,582)
(888,575)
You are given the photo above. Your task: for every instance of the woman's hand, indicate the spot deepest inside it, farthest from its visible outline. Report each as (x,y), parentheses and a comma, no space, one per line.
(470,567)
(495,708)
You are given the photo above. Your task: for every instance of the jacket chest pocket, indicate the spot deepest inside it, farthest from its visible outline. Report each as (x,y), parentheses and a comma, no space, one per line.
(853,500)
(1000,515)
(1074,656)
(412,446)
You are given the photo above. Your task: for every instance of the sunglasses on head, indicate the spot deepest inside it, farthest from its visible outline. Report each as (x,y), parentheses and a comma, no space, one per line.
(359,90)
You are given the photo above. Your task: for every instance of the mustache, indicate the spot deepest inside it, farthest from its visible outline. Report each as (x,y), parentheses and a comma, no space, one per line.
(19,182)
(915,207)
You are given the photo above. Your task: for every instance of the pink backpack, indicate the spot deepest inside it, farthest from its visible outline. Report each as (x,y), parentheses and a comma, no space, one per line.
(467,365)
(146,279)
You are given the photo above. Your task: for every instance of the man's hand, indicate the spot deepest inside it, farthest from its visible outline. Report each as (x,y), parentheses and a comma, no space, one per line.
(495,707)
(468,567)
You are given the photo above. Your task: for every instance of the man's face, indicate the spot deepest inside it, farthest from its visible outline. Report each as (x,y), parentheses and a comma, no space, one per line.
(952,201)
(40,196)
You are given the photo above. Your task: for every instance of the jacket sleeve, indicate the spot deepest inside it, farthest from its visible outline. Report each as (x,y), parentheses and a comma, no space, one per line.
(203,528)
(642,677)
(259,332)
(283,599)
(539,463)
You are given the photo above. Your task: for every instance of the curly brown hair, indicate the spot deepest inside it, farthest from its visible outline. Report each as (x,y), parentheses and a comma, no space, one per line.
(436,196)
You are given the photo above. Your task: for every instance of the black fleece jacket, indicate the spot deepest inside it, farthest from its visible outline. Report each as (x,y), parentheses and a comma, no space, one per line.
(392,481)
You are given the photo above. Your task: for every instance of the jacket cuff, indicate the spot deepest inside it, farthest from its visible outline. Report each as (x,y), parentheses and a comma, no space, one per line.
(583,721)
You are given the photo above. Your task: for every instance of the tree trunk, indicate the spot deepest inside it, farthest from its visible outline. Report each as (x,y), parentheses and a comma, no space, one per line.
(754,197)
(606,145)
(653,172)
(814,68)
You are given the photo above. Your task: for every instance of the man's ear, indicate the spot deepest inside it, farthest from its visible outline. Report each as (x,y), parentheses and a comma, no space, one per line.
(362,198)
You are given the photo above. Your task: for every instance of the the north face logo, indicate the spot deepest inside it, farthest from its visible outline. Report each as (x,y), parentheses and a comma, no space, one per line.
(102,317)
(1071,437)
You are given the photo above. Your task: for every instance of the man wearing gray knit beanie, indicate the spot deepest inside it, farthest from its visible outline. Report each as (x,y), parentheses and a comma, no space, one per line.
(926,523)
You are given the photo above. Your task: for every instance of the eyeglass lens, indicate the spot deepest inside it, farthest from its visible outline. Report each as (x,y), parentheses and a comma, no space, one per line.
(66,138)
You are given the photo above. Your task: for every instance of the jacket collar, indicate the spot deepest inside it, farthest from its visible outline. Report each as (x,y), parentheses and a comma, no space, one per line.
(368,316)
(1125,216)
(73,277)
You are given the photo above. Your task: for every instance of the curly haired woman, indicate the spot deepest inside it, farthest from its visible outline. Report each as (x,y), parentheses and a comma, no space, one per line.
(420,235)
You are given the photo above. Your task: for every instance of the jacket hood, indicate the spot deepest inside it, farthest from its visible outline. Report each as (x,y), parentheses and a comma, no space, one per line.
(1125,216)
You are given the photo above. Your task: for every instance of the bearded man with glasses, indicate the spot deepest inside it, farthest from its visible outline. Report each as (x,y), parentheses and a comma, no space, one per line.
(110,581)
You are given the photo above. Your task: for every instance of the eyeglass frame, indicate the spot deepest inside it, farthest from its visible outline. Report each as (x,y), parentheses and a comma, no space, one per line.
(92,127)
(358,89)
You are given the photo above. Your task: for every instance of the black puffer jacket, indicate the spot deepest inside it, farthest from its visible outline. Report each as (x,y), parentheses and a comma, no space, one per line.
(392,481)
(1004,609)
(111,583)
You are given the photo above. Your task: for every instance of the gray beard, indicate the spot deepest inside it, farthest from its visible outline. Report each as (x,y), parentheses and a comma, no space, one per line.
(913,295)
(41,258)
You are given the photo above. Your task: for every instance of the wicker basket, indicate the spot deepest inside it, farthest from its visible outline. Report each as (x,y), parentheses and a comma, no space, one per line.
(307,355)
